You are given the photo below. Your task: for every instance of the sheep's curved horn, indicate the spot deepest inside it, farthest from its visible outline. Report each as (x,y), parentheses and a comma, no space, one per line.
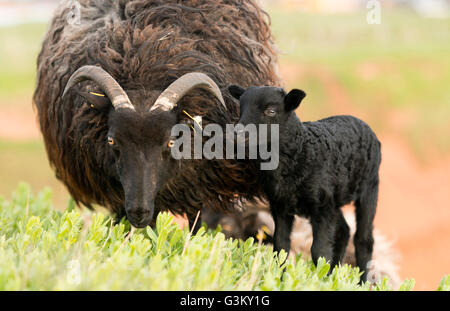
(194,80)
(107,83)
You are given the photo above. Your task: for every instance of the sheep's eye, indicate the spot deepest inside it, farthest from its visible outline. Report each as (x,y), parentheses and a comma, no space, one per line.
(270,112)
(111,141)
(171,143)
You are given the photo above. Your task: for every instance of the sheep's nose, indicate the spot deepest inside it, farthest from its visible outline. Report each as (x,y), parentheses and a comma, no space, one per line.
(139,217)
(140,212)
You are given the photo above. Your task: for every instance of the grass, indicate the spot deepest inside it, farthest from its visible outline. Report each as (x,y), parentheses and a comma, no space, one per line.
(445,284)
(42,248)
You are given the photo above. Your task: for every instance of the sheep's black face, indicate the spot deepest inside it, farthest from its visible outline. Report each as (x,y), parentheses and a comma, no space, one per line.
(139,138)
(266,105)
(141,147)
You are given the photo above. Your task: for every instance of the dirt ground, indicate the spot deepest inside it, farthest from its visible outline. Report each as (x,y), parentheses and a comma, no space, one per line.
(414,212)
(18,124)
(414,198)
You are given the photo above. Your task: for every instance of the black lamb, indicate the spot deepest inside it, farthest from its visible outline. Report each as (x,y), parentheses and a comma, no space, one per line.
(323,166)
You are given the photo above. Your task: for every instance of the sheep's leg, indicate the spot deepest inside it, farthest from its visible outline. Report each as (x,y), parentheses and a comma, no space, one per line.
(365,212)
(323,234)
(341,238)
(283,229)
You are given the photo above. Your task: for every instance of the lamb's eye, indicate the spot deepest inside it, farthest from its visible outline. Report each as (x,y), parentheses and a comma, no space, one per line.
(171,143)
(111,141)
(270,112)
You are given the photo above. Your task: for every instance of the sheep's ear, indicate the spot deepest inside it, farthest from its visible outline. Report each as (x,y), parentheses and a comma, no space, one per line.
(236,91)
(293,99)
(96,101)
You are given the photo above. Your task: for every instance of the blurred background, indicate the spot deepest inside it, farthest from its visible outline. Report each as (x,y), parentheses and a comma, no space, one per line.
(390,69)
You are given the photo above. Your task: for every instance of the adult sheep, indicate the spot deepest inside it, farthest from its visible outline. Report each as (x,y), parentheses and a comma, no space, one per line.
(108,137)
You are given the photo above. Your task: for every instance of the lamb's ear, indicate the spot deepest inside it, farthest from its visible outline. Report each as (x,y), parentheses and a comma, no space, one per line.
(293,99)
(236,91)
(96,101)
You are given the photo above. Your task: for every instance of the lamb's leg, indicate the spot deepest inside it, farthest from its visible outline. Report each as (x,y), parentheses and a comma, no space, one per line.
(365,212)
(283,229)
(341,237)
(323,235)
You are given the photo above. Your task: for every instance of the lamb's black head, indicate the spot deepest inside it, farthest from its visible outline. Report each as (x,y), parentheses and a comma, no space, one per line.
(266,104)
(139,142)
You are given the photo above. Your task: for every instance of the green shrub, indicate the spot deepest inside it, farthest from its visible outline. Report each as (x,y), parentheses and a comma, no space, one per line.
(44,249)
(445,284)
